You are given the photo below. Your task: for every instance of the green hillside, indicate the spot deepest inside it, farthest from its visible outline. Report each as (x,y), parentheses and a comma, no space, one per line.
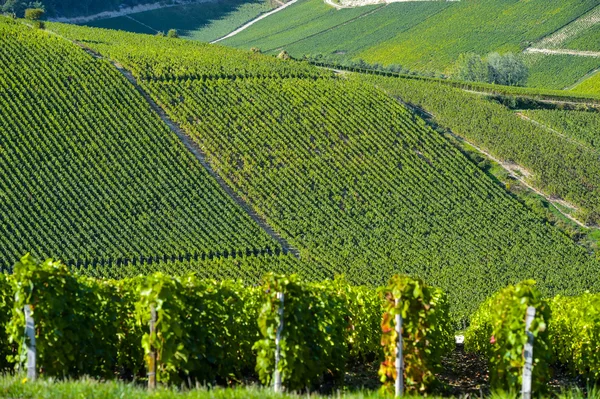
(424,36)
(92,176)
(206,21)
(346,174)
(584,127)
(557,165)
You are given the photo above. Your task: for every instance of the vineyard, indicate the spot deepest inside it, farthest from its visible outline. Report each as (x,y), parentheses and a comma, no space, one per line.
(352,179)
(578,125)
(559,166)
(422,36)
(91,174)
(189,331)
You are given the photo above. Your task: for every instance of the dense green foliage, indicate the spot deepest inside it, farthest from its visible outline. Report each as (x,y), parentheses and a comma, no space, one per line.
(583,126)
(560,166)
(504,69)
(206,21)
(322,325)
(575,332)
(204,329)
(426,333)
(83,326)
(498,331)
(109,184)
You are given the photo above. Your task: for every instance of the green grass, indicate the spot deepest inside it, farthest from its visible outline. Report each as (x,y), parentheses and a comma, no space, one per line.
(590,85)
(15,387)
(205,22)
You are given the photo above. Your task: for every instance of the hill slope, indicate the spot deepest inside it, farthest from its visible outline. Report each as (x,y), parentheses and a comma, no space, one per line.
(92,176)
(348,175)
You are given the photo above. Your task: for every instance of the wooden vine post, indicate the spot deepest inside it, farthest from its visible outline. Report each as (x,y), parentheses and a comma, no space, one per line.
(152,356)
(30,342)
(399,360)
(277,386)
(528,354)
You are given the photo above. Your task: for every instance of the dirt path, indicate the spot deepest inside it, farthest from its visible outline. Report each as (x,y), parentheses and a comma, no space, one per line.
(515,171)
(255,20)
(548,51)
(194,149)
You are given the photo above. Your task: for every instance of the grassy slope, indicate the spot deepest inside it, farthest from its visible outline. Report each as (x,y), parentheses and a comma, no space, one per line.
(307,17)
(204,22)
(357,190)
(105,178)
(587,40)
(588,86)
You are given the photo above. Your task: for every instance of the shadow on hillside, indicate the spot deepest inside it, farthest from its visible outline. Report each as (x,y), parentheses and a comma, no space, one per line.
(185,18)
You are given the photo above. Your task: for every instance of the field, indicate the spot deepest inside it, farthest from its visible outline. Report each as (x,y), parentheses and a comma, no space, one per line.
(559,166)
(205,22)
(106,183)
(318,28)
(588,86)
(356,192)
(558,71)
(429,37)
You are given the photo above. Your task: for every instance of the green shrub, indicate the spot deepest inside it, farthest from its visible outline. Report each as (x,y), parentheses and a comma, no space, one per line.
(497,331)
(426,332)
(34,14)
(575,333)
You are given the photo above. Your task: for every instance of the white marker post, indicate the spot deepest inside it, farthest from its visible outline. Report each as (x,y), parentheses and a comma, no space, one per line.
(30,342)
(399,360)
(528,354)
(152,356)
(277,387)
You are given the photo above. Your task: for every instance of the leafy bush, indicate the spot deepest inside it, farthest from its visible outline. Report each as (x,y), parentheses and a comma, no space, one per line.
(314,335)
(80,323)
(426,332)
(204,329)
(497,331)
(575,332)
(34,14)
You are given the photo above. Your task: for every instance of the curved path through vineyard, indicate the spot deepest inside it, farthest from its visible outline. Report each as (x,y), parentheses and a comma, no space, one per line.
(194,149)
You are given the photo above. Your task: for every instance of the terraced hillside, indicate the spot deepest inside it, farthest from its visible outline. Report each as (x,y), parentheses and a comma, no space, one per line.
(349,176)
(93,177)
